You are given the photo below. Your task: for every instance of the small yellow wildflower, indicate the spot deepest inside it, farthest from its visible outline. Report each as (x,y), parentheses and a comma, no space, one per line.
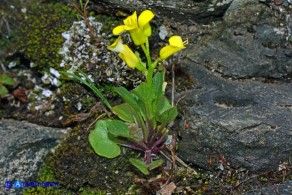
(125,53)
(139,28)
(175,44)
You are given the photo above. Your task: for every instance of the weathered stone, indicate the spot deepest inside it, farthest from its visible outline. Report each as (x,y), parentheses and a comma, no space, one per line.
(284,188)
(23,148)
(180,10)
(249,43)
(249,123)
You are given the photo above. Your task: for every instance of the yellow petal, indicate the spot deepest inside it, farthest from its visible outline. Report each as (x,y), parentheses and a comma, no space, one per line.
(117,46)
(145,17)
(167,51)
(176,41)
(138,36)
(131,22)
(118,30)
(128,56)
(147,30)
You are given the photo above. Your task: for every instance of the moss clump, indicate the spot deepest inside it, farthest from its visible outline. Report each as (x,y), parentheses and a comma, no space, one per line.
(108,22)
(41,33)
(77,167)
(80,171)
(75,99)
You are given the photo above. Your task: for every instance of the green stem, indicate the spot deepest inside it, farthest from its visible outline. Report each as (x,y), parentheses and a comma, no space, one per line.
(147,54)
(148,48)
(150,71)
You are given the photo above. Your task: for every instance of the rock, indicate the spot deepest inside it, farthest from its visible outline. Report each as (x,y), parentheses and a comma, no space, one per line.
(238,4)
(284,188)
(249,123)
(23,149)
(230,116)
(179,10)
(249,43)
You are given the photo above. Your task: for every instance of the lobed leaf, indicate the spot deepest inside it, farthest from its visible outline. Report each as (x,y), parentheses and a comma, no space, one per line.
(101,143)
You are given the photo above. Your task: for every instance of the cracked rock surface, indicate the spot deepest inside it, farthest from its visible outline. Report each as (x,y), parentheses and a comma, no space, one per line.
(240,104)
(23,149)
(247,122)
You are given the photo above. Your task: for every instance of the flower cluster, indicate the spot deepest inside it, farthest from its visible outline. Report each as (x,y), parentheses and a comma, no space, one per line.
(139,30)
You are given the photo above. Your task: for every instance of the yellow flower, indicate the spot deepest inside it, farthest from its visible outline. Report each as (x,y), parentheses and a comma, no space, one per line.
(125,53)
(139,28)
(175,44)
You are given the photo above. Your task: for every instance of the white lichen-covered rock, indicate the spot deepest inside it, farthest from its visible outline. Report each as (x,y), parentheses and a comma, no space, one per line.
(80,51)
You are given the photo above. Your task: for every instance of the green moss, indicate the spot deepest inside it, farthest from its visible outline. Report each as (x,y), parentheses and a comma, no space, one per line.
(108,22)
(78,168)
(80,171)
(41,33)
(109,90)
(71,94)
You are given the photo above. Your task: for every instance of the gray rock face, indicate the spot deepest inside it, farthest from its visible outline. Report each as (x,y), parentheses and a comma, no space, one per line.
(23,148)
(247,122)
(180,10)
(284,189)
(248,45)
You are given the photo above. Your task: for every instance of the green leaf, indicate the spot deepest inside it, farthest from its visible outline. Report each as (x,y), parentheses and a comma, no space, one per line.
(165,112)
(101,143)
(140,165)
(157,83)
(118,128)
(146,99)
(132,100)
(148,94)
(163,105)
(168,115)
(128,97)
(125,112)
(3,90)
(6,80)
(155,164)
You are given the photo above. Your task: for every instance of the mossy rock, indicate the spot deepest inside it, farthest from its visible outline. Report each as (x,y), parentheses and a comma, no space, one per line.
(78,168)
(41,33)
